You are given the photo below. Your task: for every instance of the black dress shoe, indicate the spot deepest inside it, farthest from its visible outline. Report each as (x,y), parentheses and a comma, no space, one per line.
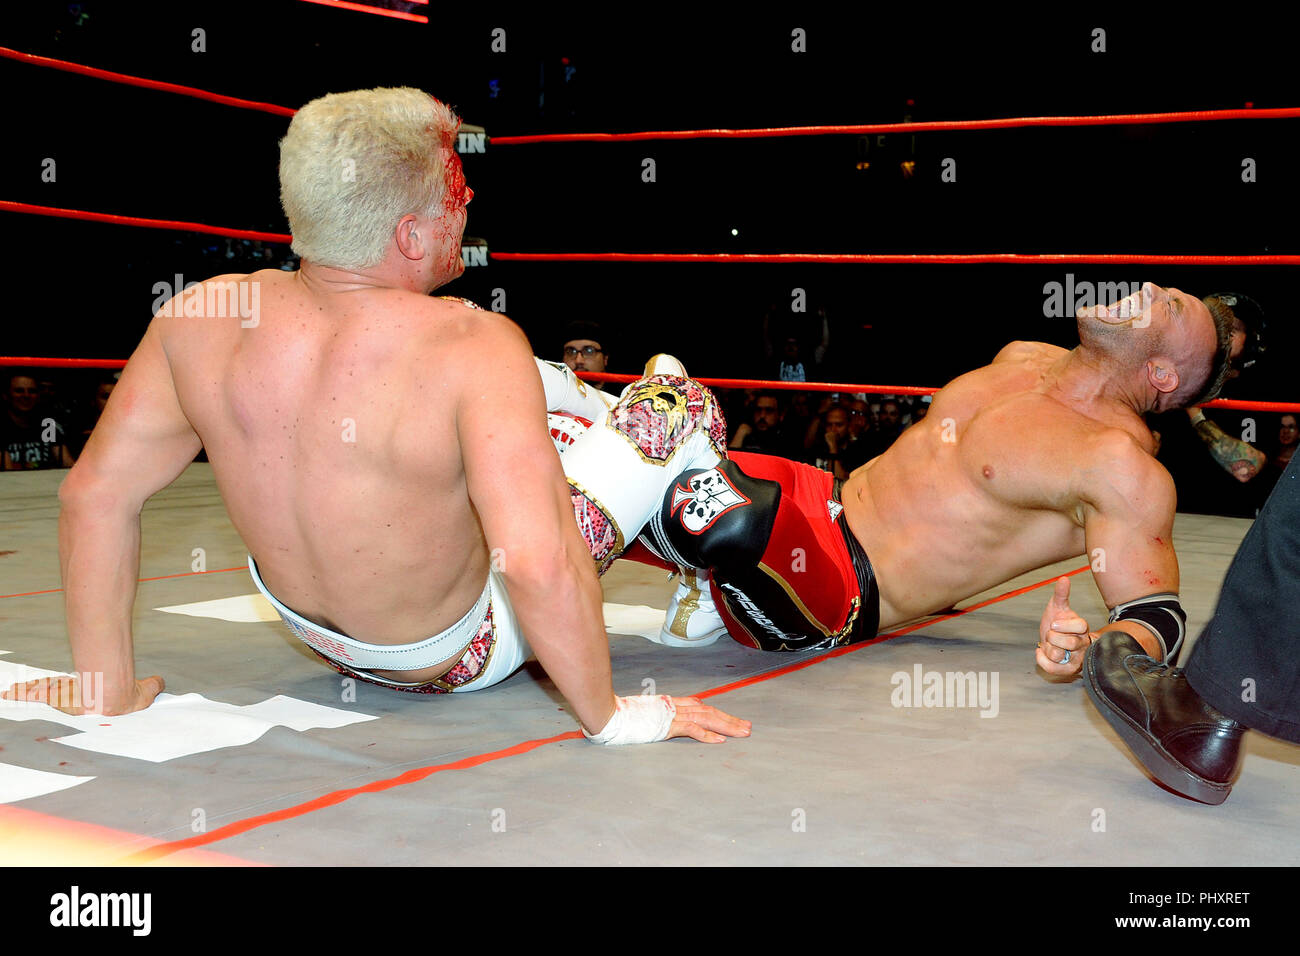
(1184,742)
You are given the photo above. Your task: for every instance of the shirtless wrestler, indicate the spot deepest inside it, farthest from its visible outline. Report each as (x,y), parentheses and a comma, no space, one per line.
(1038,457)
(383,491)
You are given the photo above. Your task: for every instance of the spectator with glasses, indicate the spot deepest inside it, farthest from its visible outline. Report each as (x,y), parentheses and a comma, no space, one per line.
(582,347)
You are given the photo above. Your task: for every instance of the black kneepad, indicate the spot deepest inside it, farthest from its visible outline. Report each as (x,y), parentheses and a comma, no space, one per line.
(715,517)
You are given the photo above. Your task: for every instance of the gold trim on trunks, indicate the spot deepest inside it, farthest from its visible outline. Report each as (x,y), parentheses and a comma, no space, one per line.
(840,633)
(492,649)
(619,541)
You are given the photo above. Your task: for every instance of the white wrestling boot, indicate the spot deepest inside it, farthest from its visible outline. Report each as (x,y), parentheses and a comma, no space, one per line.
(692,619)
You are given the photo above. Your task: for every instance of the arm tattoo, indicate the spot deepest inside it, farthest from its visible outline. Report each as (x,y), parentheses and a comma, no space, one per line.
(1227,450)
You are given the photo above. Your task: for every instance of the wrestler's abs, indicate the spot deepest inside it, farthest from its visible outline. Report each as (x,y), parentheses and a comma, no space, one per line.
(943,520)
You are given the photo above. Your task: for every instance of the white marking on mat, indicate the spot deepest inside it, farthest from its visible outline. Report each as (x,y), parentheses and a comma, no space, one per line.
(180,726)
(23,783)
(242,609)
(14,673)
(635,619)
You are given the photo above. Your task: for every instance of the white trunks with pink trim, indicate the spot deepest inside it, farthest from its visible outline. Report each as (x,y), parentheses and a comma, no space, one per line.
(487,638)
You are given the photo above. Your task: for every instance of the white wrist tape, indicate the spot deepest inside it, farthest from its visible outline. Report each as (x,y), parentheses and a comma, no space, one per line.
(637,720)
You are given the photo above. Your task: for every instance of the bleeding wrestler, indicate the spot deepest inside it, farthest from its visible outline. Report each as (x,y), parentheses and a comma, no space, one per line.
(1041,456)
(385,493)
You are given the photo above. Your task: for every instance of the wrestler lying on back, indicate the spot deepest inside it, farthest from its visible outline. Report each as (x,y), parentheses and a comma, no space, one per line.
(1038,457)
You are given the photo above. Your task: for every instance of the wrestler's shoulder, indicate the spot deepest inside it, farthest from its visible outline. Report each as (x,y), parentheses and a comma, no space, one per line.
(454,324)
(454,307)
(227,295)
(1022,351)
(1126,467)
(460,300)
(262,277)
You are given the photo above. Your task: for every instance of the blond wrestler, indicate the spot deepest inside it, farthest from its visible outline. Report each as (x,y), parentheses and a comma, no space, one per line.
(385,492)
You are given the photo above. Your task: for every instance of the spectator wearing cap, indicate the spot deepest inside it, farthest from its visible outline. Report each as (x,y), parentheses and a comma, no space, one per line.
(583,349)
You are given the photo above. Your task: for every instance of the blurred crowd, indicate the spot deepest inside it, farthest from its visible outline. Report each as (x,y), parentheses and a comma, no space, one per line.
(835,431)
(48,415)
(1223,461)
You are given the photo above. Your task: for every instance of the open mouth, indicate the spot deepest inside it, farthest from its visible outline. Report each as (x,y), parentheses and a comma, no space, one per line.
(1126,309)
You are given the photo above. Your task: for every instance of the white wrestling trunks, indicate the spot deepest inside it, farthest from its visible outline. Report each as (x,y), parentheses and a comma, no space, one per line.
(488,638)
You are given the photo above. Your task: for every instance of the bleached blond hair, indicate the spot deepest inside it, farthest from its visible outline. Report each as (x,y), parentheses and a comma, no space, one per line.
(353,164)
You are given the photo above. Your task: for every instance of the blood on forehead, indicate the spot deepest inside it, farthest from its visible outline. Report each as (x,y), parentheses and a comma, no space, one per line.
(456,185)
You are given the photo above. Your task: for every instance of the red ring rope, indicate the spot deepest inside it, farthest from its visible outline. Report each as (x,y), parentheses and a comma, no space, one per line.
(879,258)
(29,361)
(128,80)
(1123,258)
(1013,122)
(1238,403)
(7,206)
(366,8)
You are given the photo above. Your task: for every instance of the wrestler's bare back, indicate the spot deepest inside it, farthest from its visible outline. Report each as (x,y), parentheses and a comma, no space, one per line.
(989,485)
(331,429)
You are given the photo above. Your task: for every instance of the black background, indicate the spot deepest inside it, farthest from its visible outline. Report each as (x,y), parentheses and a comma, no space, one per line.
(75,288)
(78,288)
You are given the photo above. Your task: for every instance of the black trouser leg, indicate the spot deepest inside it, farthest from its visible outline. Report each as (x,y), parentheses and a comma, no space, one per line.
(1246,662)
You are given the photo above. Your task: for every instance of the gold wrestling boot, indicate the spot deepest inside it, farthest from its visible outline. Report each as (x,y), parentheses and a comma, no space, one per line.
(692,619)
